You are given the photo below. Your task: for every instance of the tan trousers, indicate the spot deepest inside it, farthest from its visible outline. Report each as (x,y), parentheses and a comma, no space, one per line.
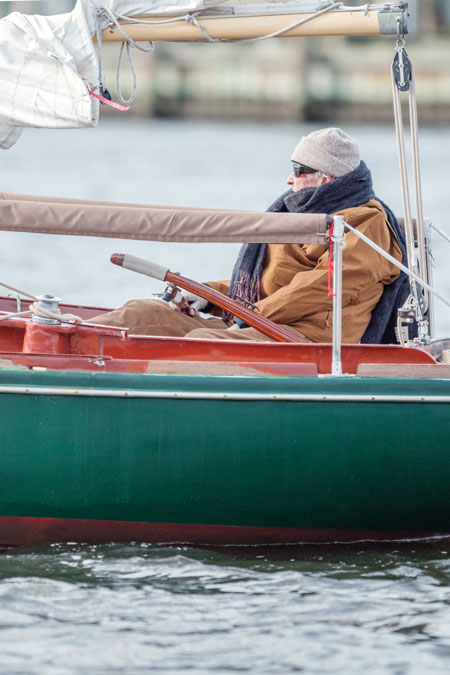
(156,317)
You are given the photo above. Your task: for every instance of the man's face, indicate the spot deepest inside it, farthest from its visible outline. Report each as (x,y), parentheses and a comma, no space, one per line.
(306,179)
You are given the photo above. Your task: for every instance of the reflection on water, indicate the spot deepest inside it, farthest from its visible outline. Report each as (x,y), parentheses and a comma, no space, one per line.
(222,165)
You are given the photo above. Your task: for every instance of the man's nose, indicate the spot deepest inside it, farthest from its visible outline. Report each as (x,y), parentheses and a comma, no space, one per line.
(290,180)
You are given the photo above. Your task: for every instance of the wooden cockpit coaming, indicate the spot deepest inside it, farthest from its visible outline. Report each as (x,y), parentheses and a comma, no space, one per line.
(25,344)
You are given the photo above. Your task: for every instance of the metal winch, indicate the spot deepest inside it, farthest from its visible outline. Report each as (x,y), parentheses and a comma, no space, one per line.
(46,309)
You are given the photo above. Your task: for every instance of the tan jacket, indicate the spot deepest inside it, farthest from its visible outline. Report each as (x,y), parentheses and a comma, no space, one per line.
(294,279)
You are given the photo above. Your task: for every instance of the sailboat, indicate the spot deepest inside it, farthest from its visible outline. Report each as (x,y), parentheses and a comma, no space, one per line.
(109,436)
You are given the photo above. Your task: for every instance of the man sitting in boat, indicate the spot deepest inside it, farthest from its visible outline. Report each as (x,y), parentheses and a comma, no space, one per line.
(288,283)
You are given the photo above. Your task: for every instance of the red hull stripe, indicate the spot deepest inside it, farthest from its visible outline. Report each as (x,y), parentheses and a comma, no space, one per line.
(19,531)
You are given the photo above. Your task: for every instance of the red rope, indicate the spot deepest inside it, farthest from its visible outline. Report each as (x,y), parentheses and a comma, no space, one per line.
(330,263)
(104,100)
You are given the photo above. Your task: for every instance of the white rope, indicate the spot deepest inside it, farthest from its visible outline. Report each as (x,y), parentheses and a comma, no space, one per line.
(12,315)
(416,261)
(410,246)
(441,232)
(102,12)
(19,292)
(16,290)
(37,309)
(416,174)
(275,11)
(129,42)
(151,22)
(130,100)
(193,20)
(101,69)
(113,17)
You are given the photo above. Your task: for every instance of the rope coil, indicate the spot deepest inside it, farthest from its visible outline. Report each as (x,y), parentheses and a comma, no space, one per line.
(36,308)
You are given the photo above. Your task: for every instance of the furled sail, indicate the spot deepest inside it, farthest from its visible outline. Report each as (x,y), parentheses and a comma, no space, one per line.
(51,71)
(159,7)
(43,60)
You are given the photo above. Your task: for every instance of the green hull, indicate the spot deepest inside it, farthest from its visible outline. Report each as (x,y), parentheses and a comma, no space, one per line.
(350,454)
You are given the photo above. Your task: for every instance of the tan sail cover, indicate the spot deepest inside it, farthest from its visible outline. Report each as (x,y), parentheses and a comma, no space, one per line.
(52,215)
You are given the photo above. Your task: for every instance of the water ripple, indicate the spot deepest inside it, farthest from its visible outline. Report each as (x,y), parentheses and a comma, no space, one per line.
(141,608)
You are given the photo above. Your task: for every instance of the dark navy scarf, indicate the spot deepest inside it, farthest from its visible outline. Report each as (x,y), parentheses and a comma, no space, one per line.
(348,191)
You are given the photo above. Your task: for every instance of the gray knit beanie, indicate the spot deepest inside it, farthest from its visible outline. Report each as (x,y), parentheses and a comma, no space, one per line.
(329,150)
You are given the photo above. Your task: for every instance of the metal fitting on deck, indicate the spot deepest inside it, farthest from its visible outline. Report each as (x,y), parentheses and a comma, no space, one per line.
(49,304)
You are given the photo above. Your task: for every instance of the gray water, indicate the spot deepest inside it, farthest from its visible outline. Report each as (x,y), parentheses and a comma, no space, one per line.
(137,608)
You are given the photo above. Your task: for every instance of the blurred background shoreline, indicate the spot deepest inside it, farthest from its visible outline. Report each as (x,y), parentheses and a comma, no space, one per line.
(328,80)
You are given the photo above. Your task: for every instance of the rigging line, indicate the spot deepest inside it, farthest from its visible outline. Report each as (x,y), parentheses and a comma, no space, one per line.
(129,42)
(99,14)
(12,315)
(129,39)
(416,174)
(193,19)
(16,290)
(130,100)
(441,232)
(151,22)
(411,252)
(101,70)
(379,5)
(38,310)
(398,264)
(364,8)
(189,18)
(403,80)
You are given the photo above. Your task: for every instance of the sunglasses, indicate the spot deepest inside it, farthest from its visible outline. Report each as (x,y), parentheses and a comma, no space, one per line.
(300,169)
